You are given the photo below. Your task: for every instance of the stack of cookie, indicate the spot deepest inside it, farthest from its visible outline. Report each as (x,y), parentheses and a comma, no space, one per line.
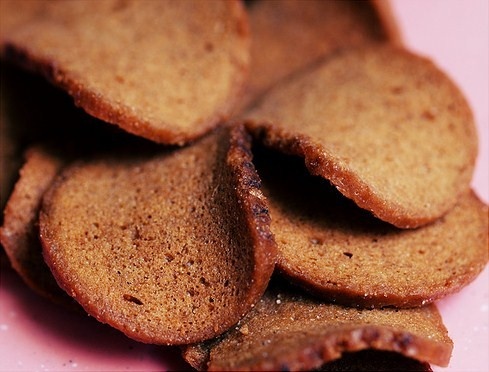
(265,199)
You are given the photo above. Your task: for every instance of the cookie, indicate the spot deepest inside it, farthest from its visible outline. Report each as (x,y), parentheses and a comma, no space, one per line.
(389,129)
(342,253)
(289,331)
(289,35)
(19,233)
(168,71)
(168,246)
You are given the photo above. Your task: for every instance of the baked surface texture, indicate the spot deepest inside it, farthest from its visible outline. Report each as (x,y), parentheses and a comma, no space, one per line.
(308,31)
(333,248)
(264,184)
(172,70)
(296,332)
(19,234)
(386,127)
(168,246)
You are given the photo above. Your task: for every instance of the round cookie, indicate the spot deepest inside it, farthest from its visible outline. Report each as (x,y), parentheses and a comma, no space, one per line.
(168,246)
(289,331)
(342,253)
(308,31)
(385,126)
(168,71)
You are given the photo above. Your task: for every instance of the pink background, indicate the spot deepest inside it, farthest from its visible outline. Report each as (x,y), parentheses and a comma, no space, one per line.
(37,335)
(455,34)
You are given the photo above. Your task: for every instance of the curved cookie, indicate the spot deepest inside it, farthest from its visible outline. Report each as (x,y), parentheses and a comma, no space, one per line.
(168,247)
(385,126)
(308,30)
(172,70)
(331,247)
(19,233)
(288,331)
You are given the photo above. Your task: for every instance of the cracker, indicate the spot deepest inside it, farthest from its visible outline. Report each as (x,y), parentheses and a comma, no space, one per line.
(389,129)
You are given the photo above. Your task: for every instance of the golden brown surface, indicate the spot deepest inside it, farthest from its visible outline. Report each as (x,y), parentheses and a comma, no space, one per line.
(288,331)
(385,126)
(127,63)
(19,233)
(169,247)
(174,245)
(341,252)
(289,35)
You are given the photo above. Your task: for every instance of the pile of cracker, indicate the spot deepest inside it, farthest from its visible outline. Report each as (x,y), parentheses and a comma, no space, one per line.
(268,184)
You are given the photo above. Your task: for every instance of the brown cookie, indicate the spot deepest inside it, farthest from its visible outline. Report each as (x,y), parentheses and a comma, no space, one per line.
(169,247)
(342,253)
(385,126)
(19,234)
(289,35)
(168,71)
(288,331)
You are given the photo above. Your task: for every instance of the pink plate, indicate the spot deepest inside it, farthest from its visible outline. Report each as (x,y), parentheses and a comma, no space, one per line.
(37,335)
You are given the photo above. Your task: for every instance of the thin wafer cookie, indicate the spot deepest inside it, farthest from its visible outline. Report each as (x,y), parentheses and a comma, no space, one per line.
(154,68)
(387,127)
(289,331)
(169,247)
(333,248)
